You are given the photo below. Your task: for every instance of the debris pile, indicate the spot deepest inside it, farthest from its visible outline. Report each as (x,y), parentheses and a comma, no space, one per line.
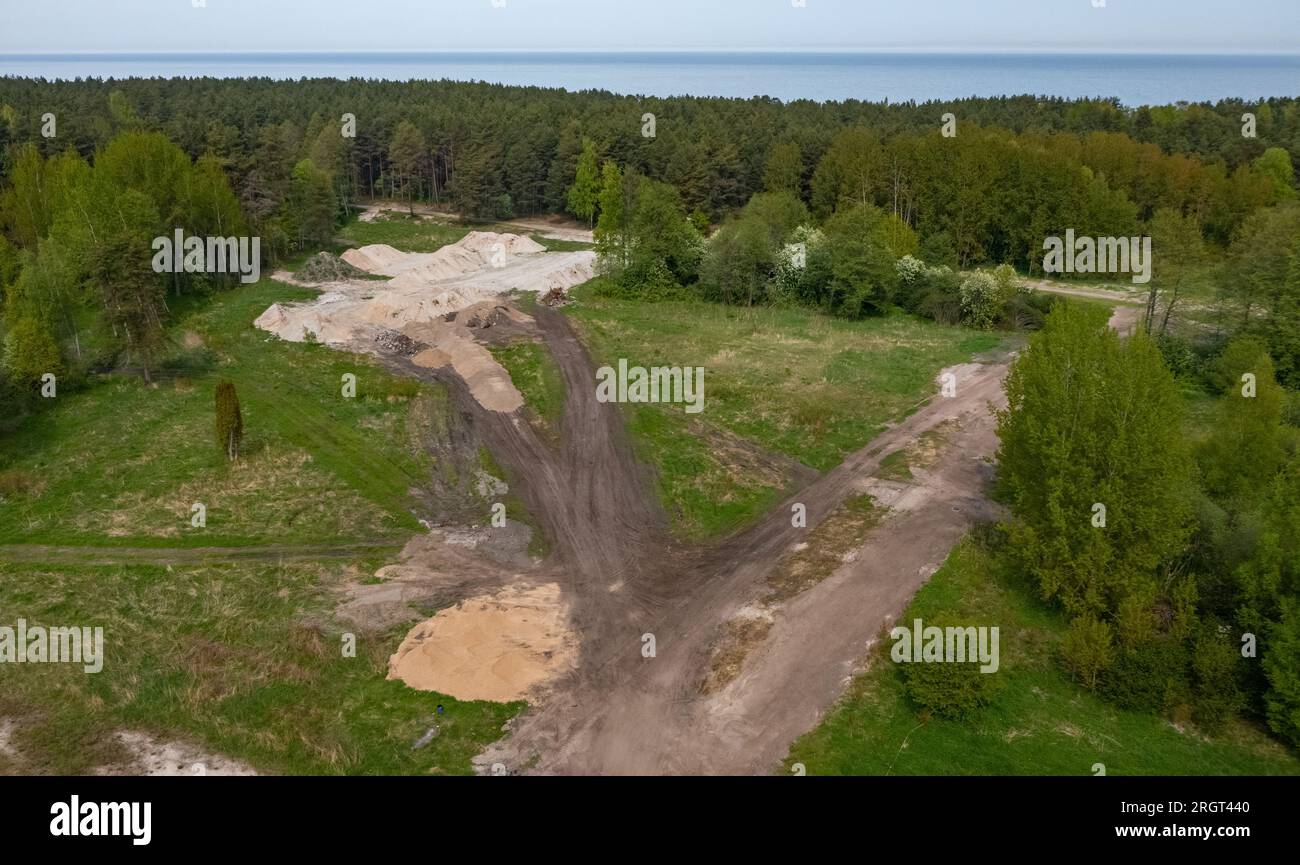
(327,267)
(392,342)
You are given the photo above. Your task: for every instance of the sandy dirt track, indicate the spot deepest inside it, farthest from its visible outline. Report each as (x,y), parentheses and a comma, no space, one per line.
(1128,302)
(553,227)
(624,577)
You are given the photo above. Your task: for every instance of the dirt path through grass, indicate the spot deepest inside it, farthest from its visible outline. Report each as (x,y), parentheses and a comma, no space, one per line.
(1128,307)
(109,555)
(628,582)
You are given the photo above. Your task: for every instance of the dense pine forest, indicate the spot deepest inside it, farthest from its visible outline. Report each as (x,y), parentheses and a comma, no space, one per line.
(951,185)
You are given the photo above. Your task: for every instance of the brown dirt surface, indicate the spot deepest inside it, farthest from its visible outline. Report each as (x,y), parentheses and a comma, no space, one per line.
(491,647)
(624,577)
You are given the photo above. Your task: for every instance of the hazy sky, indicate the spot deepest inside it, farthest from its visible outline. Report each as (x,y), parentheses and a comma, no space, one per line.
(600,25)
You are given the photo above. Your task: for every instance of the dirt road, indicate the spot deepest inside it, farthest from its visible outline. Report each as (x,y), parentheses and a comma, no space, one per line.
(110,555)
(554,227)
(624,577)
(1129,305)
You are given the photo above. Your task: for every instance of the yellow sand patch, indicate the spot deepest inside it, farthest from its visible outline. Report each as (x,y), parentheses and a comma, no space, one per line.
(487,380)
(492,647)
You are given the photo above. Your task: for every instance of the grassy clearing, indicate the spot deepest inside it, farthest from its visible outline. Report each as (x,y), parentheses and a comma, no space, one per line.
(409,234)
(413,234)
(782,386)
(1038,723)
(240,659)
(121,462)
(535,373)
(710,483)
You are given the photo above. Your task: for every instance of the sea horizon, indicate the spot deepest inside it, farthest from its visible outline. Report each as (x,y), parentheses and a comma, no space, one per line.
(1134,78)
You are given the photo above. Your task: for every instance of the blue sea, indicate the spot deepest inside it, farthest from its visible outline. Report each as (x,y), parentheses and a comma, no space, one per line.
(1134,79)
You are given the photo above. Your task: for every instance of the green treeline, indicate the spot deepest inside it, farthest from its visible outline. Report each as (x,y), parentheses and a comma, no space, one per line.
(851,207)
(1176,561)
(497,151)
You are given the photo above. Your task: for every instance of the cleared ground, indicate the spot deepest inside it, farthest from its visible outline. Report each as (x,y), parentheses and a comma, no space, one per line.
(1039,722)
(788,393)
(705,644)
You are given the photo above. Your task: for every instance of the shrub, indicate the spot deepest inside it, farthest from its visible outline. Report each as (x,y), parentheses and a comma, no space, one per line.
(1282,701)
(1179,355)
(1149,678)
(1008,282)
(1086,649)
(981,303)
(230,423)
(30,351)
(940,296)
(948,690)
(911,281)
(1217,696)
(1026,310)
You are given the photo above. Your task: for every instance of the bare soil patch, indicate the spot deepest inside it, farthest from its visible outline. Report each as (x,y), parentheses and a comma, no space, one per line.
(153,757)
(441,300)
(491,647)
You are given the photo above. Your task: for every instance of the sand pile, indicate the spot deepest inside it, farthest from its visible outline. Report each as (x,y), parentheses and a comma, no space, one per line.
(424,289)
(485,243)
(488,381)
(379,258)
(426,286)
(493,647)
(475,251)
(301,324)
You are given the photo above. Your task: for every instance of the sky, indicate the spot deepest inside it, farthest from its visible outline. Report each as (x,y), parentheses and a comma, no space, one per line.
(1190,26)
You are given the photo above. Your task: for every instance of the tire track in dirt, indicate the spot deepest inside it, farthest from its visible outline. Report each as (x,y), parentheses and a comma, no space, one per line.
(647,716)
(624,576)
(110,555)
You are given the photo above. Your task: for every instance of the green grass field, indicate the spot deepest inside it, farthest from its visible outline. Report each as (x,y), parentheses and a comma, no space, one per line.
(535,373)
(782,386)
(412,234)
(121,462)
(1038,722)
(244,659)
(239,658)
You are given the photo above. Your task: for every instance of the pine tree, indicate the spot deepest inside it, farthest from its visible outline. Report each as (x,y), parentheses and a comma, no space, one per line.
(783,171)
(230,423)
(408,151)
(132,297)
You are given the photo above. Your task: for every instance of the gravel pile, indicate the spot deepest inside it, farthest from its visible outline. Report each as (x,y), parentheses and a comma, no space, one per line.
(392,342)
(327,267)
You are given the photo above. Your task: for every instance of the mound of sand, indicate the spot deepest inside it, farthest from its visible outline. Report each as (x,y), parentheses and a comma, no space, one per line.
(424,290)
(493,647)
(426,286)
(377,258)
(488,381)
(485,243)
